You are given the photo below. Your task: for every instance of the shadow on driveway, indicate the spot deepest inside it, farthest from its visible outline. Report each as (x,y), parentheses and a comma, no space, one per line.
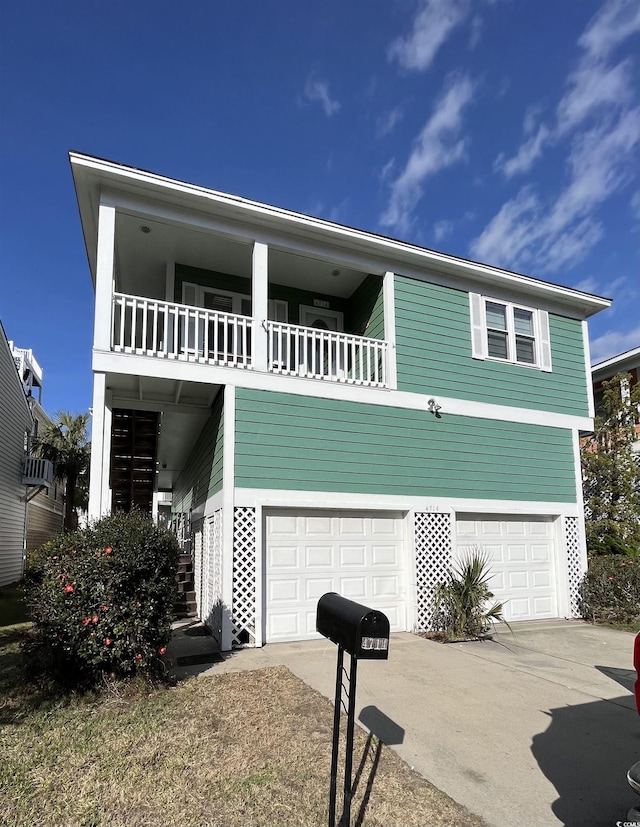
(585,753)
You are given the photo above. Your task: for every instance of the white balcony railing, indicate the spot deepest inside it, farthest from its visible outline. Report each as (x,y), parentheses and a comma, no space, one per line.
(37,471)
(324,354)
(147,327)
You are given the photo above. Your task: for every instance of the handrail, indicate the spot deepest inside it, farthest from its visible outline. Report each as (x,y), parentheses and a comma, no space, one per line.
(150,327)
(295,350)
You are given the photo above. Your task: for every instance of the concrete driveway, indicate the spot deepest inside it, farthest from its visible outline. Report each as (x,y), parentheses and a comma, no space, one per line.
(533,728)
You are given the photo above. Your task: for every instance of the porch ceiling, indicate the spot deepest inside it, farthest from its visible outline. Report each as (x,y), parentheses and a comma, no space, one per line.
(184,409)
(142,259)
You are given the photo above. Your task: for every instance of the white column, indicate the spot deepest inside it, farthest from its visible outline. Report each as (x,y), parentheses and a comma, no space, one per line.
(260,305)
(98,460)
(105,507)
(389,303)
(104,277)
(228,502)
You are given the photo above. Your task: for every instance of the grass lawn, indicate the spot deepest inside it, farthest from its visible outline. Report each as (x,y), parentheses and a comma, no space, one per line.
(250,748)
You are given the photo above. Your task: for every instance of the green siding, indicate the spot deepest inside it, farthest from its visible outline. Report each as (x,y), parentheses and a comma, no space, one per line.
(286,441)
(366,309)
(202,475)
(433,335)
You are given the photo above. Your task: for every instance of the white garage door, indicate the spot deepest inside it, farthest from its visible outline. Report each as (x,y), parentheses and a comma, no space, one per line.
(522,557)
(356,554)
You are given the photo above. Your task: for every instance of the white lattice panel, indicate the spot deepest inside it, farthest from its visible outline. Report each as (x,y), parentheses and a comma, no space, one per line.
(243,609)
(212,575)
(433,546)
(575,564)
(198,552)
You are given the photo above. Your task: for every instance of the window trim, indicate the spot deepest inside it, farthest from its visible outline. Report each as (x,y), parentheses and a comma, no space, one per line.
(480,330)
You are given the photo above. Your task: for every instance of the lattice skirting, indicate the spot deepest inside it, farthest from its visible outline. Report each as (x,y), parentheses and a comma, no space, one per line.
(576,564)
(434,549)
(211,579)
(243,609)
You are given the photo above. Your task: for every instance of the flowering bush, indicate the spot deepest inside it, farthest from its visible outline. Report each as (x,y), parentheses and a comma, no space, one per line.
(102,599)
(611,589)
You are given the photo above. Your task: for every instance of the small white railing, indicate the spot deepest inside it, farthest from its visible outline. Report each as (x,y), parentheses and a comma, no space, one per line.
(148,327)
(324,354)
(37,471)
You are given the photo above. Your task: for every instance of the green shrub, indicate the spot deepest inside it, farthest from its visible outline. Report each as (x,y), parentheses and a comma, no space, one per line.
(102,600)
(611,589)
(460,604)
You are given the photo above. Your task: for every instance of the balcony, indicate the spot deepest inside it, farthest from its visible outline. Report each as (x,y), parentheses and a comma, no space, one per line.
(165,330)
(37,472)
(324,354)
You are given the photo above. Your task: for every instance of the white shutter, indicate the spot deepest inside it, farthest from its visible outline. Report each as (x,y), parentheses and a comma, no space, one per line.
(478,338)
(545,341)
(278,311)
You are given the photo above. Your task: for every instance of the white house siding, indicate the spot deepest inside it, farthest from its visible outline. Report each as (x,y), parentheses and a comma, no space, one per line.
(15,419)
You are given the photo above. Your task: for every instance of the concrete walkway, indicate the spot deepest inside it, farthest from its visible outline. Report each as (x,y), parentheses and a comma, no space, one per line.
(533,729)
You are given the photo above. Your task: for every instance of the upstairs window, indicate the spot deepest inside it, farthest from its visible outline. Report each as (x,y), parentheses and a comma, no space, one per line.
(509,333)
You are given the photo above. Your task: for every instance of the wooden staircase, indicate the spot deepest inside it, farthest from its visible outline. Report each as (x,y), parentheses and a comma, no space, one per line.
(185,605)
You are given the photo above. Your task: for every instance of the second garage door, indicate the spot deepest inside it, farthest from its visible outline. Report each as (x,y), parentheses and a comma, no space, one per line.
(522,554)
(357,554)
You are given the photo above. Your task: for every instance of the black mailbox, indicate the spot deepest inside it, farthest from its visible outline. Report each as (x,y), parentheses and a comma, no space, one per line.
(359,630)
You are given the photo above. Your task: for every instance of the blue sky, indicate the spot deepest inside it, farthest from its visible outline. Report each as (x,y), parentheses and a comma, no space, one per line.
(506,131)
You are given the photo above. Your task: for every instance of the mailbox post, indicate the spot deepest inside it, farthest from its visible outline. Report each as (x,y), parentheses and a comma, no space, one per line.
(364,634)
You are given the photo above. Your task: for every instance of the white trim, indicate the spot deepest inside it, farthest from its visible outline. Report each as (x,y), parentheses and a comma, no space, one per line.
(389,309)
(260,569)
(289,498)
(260,305)
(97,447)
(106,452)
(104,277)
(86,167)
(130,364)
(539,337)
(587,368)
(228,473)
(621,358)
(582,531)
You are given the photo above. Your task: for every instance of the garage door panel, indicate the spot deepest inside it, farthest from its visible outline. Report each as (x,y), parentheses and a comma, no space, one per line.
(355,588)
(317,527)
(284,591)
(357,554)
(522,562)
(315,587)
(319,556)
(351,526)
(516,554)
(385,556)
(283,557)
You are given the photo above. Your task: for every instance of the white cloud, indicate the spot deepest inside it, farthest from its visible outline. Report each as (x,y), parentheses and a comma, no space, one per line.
(616,20)
(588,285)
(433,24)
(318,90)
(526,156)
(387,169)
(602,132)
(387,123)
(441,229)
(635,205)
(612,343)
(438,146)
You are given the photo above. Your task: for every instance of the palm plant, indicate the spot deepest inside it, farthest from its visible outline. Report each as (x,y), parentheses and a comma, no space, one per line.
(65,443)
(460,603)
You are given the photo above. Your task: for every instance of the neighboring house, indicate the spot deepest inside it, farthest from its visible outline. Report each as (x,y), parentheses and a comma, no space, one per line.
(327,409)
(20,474)
(627,363)
(45,507)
